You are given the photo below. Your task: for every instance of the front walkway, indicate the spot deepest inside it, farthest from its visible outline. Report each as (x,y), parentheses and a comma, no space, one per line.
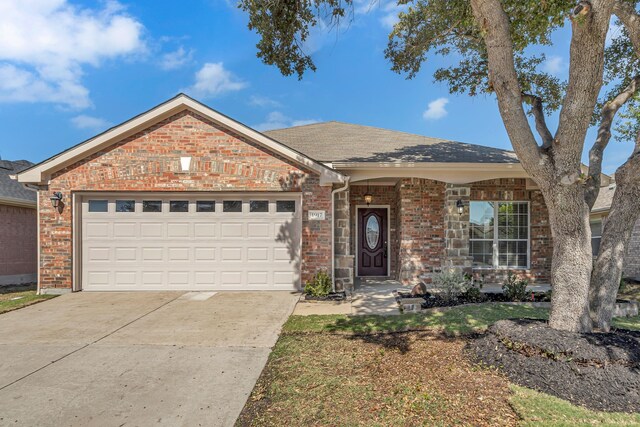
(371,296)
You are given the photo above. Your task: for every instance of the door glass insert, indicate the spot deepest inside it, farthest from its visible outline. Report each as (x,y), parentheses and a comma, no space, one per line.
(258,206)
(372,232)
(98,206)
(152,206)
(205,206)
(178,206)
(125,206)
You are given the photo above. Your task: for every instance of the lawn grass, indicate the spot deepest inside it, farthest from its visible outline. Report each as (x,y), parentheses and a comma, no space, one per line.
(402,370)
(630,291)
(535,409)
(18,297)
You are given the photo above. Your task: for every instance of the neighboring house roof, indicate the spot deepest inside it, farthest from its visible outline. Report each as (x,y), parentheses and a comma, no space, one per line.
(40,173)
(605,197)
(11,191)
(338,142)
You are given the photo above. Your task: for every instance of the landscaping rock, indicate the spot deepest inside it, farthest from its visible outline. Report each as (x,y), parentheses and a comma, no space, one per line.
(419,289)
(599,370)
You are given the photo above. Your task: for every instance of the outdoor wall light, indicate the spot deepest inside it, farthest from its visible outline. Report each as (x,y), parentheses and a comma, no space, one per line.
(56,199)
(368,197)
(460,206)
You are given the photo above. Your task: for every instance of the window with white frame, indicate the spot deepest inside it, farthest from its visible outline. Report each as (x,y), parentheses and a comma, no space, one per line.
(499,234)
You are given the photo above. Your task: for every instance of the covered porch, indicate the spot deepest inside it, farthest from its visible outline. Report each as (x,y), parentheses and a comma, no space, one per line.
(410,228)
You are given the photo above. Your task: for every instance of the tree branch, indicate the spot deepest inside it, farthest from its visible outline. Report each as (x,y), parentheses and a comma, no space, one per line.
(495,28)
(586,67)
(631,21)
(604,136)
(541,124)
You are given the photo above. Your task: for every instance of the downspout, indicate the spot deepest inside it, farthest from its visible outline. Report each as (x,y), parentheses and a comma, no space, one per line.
(333,231)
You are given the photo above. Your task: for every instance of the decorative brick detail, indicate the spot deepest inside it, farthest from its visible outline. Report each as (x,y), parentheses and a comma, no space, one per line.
(344,260)
(150,161)
(19,237)
(632,259)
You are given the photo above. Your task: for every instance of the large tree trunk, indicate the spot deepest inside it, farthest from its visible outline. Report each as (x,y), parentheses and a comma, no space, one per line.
(572,259)
(607,270)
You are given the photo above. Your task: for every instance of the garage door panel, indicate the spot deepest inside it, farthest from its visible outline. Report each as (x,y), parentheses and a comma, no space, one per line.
(151,229)
(125,230)
(190,250)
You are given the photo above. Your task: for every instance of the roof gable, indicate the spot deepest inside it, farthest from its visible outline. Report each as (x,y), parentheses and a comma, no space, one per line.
(40,173)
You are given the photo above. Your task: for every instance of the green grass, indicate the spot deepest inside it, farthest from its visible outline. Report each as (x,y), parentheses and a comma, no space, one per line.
(458,320)
(537,409)
(13,300)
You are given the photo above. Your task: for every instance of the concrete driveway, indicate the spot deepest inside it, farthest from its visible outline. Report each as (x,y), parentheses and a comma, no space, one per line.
(136,359)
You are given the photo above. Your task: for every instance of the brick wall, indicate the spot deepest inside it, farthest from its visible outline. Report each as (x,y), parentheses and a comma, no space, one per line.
(420,224)
(149,161)
(632,259)
(18,240)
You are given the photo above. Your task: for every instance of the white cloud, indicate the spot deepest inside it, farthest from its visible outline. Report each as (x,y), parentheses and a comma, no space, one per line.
(554,65)
(44,45)
(390,17)
(89,122)
(213,80)
(263,101)
(436,109)
(277,120)
(176,59)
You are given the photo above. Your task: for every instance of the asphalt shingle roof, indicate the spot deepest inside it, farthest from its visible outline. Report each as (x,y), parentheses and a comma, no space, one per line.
(605,197)
(10,188)
(344,142)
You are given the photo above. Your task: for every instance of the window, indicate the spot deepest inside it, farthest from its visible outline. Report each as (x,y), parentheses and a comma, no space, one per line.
(499,234)
(125,205)
(596,235)
(178,206)
(205,206)
(98,206)
(151,206)
(232,206)
(258,206)
(285,206)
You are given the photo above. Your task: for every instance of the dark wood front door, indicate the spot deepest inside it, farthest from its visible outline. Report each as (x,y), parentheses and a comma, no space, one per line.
(372,242)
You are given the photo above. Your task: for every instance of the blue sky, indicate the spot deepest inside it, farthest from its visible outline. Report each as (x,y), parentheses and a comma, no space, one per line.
(71,69)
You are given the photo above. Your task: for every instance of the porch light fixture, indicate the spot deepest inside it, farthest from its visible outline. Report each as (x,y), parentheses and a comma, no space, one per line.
(56,199)
(460,206)
(368,197)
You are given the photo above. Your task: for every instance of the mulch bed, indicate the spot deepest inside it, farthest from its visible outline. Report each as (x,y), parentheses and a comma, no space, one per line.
(399,379)
(432,301)
(600,371)
(333,296)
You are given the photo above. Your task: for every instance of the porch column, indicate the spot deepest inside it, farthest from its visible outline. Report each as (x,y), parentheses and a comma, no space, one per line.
(457,229)
(344,260)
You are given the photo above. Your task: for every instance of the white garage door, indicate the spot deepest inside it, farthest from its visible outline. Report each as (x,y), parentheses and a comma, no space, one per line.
(188,242)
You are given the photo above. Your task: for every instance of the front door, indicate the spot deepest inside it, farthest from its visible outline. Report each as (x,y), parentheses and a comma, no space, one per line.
(372,242)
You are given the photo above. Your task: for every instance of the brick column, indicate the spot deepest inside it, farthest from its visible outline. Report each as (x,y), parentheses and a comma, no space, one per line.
(344,260)
(457,229)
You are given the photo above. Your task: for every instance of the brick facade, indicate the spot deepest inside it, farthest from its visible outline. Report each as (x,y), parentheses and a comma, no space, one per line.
(428,234)
(632,259)
(149,161)
(18,237)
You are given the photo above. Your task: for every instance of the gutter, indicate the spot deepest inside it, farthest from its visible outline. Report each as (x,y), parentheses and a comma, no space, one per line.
(333,230)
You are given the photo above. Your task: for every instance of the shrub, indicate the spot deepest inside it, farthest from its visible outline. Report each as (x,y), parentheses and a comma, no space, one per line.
(319,286)
(451,284)
(515,288)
